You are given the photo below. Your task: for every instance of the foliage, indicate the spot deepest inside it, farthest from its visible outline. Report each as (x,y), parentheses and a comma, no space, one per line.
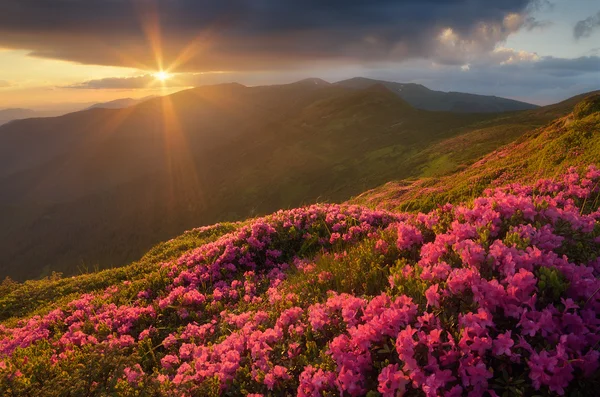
(587,107)
(495,297)
(109,184)
(545,152)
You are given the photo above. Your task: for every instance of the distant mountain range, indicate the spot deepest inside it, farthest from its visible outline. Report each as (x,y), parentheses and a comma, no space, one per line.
(416,95)
(99,187)
(7,115)
(422,97)
(120,103)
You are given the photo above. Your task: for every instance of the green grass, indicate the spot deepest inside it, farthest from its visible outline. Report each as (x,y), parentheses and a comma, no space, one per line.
(22,300)
(543,152)
(573,140)
(359,268)
(239,152)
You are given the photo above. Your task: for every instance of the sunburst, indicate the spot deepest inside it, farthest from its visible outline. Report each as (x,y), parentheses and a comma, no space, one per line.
(162,75)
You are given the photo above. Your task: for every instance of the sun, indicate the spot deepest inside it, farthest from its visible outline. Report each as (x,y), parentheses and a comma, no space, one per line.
(162,75)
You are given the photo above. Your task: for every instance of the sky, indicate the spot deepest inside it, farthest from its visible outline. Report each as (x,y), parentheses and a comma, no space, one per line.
(57,53)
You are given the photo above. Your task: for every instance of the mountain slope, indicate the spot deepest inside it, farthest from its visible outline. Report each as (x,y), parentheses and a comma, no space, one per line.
(498,296)
(332,300)
(100,187)
(422,97)
(571,140)
(121,103)
(7,115)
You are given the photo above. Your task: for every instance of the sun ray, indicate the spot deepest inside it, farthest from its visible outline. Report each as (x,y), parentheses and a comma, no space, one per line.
(113,119)
(183,181)
(150,23)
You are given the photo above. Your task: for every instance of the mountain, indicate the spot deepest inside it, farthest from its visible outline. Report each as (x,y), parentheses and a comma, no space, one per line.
(7,115)
(121,103)
(422,97)
(494,293)
(569,141)
(99,187)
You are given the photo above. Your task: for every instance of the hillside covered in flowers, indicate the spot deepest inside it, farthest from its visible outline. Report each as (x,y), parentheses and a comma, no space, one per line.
(497,297)
(494,293)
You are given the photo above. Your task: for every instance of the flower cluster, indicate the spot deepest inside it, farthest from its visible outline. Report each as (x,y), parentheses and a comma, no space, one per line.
(501,296)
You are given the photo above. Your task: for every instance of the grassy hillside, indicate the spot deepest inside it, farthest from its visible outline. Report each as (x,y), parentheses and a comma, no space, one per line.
(498,296)
(548,151)
(99,188)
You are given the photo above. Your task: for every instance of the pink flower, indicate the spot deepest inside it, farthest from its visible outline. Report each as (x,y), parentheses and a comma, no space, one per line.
(382,246)
(392,381)
(293,350)
(334,237)
(432,296)
(133,374)
(541,368)
(502,344)
(471,253)
(270,381)
(408,235)
(313,382)
(169,361)
(325,276)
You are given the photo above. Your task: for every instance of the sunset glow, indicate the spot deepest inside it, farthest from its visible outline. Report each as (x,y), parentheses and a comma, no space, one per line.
(365,198)
(162,75)
(143,48)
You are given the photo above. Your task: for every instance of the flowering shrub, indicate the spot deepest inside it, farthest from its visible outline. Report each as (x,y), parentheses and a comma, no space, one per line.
(500,297)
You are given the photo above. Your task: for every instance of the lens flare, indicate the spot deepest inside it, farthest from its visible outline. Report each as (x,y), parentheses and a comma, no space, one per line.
(162,75)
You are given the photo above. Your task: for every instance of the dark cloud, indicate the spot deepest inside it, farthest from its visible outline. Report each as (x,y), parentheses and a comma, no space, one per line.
(522,76)
(587,26)
(523,81)
(200,35)
(4,84)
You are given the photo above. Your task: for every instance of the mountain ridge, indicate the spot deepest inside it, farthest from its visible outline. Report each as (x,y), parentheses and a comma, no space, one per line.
(204,155)
(330,298)
(424,98)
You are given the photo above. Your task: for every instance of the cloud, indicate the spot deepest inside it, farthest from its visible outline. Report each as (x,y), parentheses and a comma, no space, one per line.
(586,27)
(203,35)
(562,66)
(524,80)
(4,84)
(135,82)
(530,23)
(504,72)
(178,80)
(507,56)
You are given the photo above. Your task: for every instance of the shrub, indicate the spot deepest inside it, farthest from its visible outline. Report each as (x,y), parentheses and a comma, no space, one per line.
(491,298)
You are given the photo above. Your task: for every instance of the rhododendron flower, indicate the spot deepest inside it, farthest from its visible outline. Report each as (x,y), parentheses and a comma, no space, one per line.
(313,382)
(325,276)
(392,381)
(169,361)
(502,344)
(382,246)
(133,374)
(408,236)
(432,296)
(516,274)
